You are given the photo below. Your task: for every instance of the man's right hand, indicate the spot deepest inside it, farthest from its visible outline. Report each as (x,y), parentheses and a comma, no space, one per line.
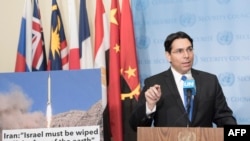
(153,95)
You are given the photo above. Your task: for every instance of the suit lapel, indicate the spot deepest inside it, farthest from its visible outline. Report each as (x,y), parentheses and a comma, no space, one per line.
(172,87)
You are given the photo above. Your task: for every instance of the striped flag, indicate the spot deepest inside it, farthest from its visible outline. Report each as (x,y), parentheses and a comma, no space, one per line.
(130,87)
(100,49)
(74,59)
(31,55)
(85,45)
(23,59)
(114,86)
(39,61)
(58,51)
(101,45)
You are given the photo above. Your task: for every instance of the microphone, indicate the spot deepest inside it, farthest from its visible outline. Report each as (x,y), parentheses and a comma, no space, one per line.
(189,90)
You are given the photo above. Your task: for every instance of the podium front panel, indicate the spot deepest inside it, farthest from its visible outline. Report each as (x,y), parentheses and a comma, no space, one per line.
(179,134)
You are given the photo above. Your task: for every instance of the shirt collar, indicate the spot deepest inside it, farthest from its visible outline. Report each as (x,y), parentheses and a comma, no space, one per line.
(177,75)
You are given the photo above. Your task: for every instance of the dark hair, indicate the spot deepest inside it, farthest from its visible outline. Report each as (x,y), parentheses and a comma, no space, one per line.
(169,40)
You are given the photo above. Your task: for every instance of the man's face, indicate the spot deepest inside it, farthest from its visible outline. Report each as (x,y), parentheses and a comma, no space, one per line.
(181,56)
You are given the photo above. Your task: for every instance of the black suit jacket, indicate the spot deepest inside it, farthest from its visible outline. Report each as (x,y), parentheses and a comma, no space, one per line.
(209,107)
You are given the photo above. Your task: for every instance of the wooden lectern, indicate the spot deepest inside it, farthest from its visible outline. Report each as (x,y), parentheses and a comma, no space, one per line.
(179,134)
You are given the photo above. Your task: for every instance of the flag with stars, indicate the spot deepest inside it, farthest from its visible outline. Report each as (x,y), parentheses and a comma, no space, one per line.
(130,82)
(58,52)
(123,86)
(114,85)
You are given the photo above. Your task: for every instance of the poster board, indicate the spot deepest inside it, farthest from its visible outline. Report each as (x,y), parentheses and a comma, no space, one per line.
(57,101)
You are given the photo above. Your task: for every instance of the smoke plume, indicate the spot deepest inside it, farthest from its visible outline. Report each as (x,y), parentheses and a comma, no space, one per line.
(14,111)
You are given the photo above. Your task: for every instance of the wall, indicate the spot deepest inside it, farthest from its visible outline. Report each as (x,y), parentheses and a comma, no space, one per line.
(10,26)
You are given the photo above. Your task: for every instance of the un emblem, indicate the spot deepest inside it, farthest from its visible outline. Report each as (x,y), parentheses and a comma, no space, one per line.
(225,37)
(187,20)
(142,42)
(227,79)
(186,136)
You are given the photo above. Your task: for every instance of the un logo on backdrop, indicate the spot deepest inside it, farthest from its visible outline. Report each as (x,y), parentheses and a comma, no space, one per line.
(225,37)
(226,79)
(187,20)
(142,42)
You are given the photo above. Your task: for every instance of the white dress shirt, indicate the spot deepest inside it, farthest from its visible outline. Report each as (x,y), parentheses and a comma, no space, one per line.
(179,83)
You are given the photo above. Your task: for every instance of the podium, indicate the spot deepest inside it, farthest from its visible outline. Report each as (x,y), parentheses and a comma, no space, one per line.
(179,134)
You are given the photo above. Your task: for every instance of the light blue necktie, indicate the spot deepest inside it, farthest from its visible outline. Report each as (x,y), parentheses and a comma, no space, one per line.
(184,78)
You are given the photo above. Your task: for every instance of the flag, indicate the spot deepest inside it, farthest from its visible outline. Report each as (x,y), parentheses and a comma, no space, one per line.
(58,51)
(23,58)
(101,46)
(130,84)
(74,59)
(114,85)
(39,61)
(85,45)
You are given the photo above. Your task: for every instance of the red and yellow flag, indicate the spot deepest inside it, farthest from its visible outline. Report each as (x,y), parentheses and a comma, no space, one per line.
(124,86)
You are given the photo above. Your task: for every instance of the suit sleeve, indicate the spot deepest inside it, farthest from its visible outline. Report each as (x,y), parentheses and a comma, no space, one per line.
(223,113)
(139,118)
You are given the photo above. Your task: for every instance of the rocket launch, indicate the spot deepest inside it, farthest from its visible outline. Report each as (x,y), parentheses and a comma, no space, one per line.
(49,107)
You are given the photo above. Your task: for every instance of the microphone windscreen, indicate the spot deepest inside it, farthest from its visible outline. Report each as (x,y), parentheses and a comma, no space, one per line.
(189,84)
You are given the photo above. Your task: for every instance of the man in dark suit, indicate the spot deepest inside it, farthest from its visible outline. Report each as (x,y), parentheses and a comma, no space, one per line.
(162,100)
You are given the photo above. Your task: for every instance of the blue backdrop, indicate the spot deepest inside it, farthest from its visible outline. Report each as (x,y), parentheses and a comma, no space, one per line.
(220,29)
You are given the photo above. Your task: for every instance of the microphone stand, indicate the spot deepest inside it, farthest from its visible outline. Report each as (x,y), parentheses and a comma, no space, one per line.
(188,106)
